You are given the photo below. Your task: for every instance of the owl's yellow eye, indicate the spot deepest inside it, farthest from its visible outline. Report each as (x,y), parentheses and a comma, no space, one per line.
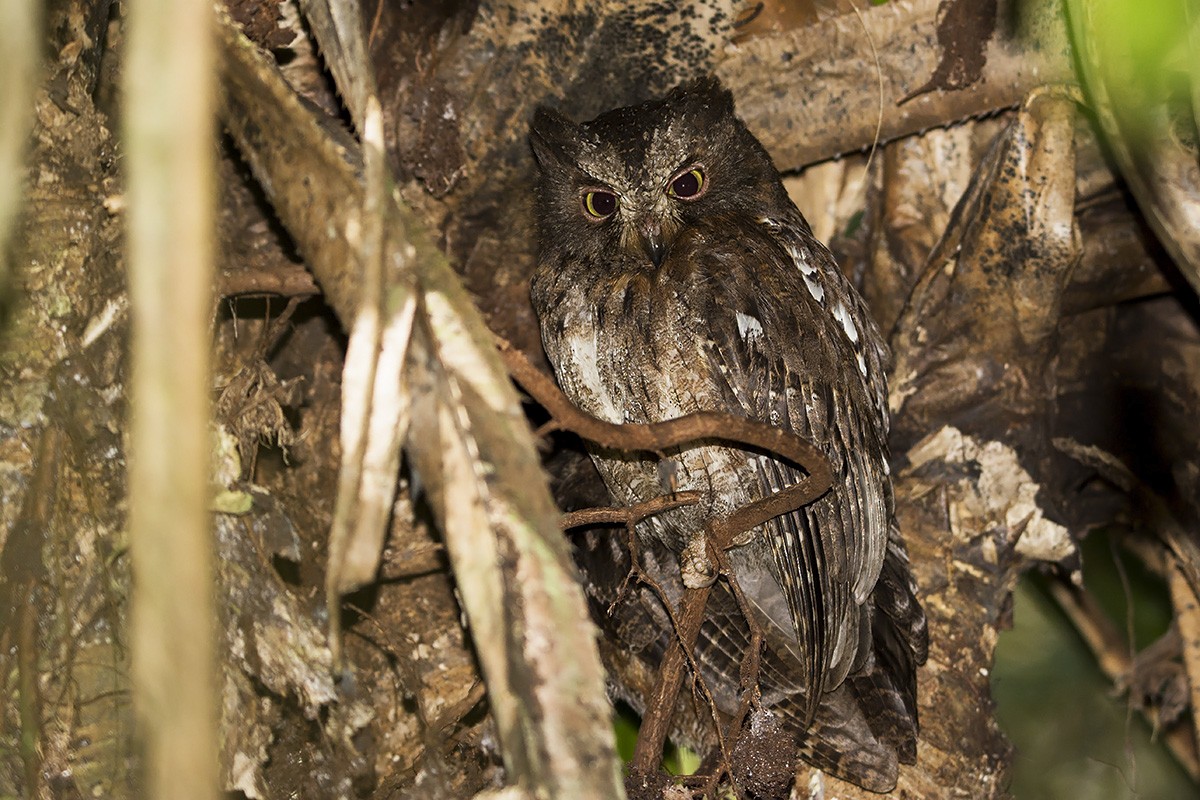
(599,204)
(688,185)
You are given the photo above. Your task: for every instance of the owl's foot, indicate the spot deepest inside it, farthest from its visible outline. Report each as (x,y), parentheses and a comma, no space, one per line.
(695,566)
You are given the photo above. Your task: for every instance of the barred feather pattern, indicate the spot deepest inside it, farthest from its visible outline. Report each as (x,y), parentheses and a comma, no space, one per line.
(745,312)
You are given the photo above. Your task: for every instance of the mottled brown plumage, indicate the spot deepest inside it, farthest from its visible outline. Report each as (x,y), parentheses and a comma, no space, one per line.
(674,276)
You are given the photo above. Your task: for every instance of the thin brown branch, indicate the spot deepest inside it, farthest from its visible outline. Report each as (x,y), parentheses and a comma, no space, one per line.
(630,515)
(647,753)
(656,723)
(753,659)
(289,280)
(658,716)
(658,437)
(748,684)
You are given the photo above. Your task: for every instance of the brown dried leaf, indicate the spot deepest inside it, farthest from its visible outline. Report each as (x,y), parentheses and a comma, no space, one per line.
(964,30)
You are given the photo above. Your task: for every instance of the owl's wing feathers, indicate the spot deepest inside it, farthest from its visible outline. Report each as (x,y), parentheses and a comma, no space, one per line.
(791,345)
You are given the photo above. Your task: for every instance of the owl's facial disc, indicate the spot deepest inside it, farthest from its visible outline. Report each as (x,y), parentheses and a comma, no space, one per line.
(642,201)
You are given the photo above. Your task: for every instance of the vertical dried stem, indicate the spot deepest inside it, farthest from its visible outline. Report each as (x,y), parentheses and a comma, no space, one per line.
(169,127)
(19,41)
(647,754)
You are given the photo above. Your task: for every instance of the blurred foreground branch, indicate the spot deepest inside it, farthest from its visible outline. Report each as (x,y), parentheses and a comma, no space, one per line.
(170,134)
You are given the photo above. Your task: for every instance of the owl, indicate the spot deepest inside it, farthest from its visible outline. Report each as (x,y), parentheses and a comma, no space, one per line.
(674,276)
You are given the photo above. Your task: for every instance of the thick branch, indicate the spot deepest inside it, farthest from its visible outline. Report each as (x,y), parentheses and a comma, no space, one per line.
(802,91)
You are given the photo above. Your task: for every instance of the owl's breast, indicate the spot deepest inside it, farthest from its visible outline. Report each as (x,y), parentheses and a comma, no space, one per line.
(628,349)
(622,344)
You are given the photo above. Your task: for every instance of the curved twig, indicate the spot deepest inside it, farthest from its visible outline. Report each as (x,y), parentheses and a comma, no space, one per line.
(660,436)
(630,515)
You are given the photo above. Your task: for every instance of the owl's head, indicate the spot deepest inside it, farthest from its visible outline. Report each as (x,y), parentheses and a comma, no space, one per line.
(629,183)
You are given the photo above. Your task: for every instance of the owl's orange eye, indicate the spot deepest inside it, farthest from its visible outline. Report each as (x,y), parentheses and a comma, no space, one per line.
(599,204)
(688,185)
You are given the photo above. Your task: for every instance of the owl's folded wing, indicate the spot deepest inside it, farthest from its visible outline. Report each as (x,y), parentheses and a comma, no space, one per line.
(779,355)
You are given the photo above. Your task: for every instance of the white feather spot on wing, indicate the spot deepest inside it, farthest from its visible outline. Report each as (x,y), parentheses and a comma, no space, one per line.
(809,272)
(749,327)
(843,316)
(814,286)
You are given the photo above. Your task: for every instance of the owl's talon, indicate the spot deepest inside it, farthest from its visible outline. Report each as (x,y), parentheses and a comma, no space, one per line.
(695,567)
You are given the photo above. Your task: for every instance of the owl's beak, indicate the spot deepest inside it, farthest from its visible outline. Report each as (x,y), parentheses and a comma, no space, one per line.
(652,241)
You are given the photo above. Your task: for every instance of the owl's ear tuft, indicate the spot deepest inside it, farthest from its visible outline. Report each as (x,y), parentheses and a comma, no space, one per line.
(553,138)
(708,92)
